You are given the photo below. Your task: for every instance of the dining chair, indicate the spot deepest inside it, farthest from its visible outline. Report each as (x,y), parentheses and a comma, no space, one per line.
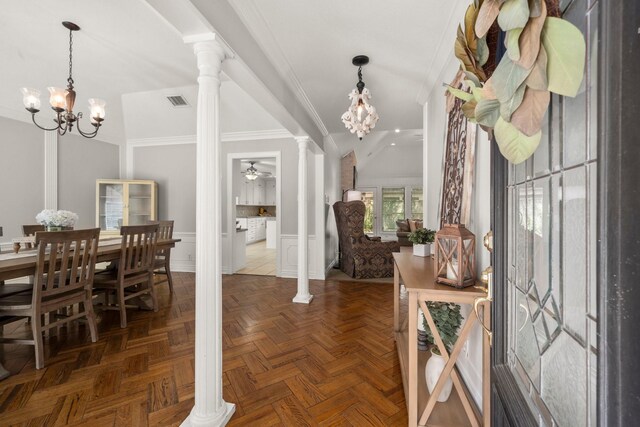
(65,266)
(31,230)
(133,276)
(162,263)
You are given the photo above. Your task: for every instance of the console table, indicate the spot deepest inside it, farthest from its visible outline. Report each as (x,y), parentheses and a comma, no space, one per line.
(417,276)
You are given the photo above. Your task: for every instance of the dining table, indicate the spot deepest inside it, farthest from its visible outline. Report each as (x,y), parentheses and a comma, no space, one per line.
(14,265)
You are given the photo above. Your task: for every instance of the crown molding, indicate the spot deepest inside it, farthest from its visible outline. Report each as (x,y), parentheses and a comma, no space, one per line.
(259,30)
(225,137)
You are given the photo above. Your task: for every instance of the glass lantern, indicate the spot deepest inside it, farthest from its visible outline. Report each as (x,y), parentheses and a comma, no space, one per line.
(455,262)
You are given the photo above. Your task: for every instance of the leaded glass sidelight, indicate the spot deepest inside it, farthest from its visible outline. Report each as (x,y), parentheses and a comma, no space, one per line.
(551,255)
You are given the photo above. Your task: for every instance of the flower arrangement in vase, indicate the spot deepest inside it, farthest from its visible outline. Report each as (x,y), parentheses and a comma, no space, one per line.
(422,239)
(56,220)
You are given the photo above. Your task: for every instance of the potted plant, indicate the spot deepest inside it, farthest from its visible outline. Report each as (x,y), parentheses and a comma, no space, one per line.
(447,318)
(422,239)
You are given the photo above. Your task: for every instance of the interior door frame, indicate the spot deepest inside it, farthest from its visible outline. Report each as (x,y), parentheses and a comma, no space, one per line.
(618,257)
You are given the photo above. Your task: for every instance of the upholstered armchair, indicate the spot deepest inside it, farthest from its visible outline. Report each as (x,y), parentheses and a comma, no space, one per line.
(362,257)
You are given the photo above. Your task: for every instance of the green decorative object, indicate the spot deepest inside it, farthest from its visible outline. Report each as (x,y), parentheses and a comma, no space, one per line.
(422,236)
(513,14)
(543,54)
(513,144)
(447,317)
(565,49)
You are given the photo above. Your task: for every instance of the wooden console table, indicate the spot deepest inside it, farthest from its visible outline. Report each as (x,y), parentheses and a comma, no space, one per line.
(417,276)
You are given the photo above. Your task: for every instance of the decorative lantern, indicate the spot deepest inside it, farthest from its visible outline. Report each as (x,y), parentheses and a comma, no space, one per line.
(455,261)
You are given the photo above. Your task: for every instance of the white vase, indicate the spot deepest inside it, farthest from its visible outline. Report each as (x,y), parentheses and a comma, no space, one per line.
(435,366)
(422,250)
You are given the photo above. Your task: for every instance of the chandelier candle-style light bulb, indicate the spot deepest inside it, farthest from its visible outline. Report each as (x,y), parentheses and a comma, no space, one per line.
(63,100)
(57,98)
(31,99)
(96,110)
(353,117)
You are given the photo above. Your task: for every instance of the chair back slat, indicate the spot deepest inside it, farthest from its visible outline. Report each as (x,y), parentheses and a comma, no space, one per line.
(138,248)
(165,232)
(65,261)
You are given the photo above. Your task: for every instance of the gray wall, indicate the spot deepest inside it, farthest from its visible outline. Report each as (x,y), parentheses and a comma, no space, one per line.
(173,167)
(21,175)
(80,162)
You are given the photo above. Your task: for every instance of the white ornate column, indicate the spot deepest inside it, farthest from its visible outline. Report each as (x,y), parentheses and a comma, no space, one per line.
(209,408)
(51,170)
(303,296)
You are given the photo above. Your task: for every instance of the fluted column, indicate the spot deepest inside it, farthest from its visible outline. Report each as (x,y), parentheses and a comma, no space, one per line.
(303,295)
(51,170)
(209,409)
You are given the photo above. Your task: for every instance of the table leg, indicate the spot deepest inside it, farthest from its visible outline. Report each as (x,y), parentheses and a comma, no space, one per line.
(412,373)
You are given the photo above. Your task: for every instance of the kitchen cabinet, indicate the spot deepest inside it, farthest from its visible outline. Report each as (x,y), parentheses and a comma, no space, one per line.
(124,202)
(252,193)
(271,234)
(256,228)
(270,192)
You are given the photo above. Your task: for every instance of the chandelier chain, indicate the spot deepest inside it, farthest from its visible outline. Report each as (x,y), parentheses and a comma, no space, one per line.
(70,79)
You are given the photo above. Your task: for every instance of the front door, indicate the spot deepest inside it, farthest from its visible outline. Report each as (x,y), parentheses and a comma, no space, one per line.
(560,356)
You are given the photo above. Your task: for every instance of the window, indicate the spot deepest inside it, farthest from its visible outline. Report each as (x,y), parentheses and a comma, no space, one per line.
(417,203)
(369,223)
(392,207)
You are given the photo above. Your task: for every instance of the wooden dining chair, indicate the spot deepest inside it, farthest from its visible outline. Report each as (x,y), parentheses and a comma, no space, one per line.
(162,263)
(65,266)
(31,230)
(133,276)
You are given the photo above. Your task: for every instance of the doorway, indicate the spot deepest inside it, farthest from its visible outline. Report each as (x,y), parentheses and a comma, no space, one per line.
(254,213)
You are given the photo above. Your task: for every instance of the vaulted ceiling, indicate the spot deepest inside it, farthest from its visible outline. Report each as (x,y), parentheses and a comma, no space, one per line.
(126,47)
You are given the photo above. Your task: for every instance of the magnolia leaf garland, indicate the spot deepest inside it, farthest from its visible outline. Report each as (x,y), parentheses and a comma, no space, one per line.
(513,144)
(566,50)
(544,54)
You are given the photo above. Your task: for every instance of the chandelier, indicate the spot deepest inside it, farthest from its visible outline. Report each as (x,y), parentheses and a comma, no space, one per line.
(353,117)
(62,101)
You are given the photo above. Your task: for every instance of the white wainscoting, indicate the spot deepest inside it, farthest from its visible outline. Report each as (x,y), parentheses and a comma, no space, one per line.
(183,256)
(289,258)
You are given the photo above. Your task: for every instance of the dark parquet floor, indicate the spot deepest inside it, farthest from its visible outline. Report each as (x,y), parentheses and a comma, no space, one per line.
(330,363)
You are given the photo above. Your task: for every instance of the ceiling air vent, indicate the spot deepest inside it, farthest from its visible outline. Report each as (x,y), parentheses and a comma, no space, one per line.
(178,101)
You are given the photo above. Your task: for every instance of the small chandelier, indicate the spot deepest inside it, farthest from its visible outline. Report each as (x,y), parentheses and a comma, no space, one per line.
(62,101)
(353,117)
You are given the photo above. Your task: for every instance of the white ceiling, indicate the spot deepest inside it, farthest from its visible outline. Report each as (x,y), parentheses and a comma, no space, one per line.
(125,47)
(313,42)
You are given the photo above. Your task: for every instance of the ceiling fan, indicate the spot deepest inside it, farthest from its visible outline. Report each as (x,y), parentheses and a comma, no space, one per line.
(252,173)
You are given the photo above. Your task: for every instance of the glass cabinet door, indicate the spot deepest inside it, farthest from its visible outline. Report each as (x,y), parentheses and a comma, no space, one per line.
(111,206)
(140,204)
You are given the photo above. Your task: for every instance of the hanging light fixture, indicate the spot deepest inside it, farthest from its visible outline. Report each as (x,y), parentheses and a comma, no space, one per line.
(361,116)
(252,173)
(63,100)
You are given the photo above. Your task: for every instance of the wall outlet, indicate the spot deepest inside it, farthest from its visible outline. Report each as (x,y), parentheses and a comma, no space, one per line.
(189,257)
